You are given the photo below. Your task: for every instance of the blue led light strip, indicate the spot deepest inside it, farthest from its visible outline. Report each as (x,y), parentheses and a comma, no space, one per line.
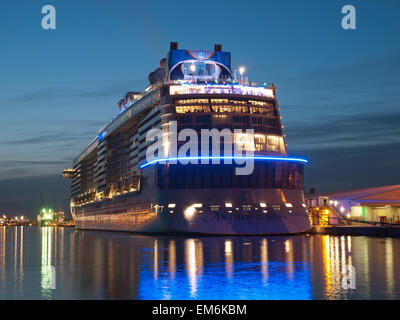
(224,157)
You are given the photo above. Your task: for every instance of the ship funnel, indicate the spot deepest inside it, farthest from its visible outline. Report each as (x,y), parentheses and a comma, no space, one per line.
(218,47)
(173,46)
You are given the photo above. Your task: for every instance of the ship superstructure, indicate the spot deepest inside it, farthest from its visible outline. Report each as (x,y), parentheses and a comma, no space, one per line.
(116,187)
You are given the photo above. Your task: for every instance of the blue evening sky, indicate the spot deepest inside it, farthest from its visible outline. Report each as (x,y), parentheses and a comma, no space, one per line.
(338,89)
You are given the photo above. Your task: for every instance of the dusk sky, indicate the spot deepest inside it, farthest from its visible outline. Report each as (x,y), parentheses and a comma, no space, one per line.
(338,90)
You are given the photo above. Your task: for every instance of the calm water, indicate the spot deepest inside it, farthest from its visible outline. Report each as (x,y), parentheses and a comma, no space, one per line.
(109,265)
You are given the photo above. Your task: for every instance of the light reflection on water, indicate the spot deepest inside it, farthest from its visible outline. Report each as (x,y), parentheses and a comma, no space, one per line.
(110,265)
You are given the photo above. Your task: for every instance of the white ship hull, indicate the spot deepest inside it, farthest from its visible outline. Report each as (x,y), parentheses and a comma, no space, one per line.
(126,213)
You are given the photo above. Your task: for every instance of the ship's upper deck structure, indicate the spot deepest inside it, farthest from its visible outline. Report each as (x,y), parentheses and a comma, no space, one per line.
(198,89)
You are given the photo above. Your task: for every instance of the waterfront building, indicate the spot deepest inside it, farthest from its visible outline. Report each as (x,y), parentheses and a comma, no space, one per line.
(372,205)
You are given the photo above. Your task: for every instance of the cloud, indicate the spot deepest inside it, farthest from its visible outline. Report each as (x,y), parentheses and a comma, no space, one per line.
(343,168)
(66,138)
(64,93)
(345,121)
(376,67)
(369,129)
(38,139)
(17,168)
(17,163)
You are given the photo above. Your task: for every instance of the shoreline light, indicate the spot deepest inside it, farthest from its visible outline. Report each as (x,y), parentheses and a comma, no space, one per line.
(265,158)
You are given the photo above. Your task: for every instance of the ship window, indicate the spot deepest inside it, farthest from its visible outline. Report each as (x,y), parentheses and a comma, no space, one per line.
(260,103)
(259,141)
(229,108)
(244,141)
(219,100)
(263,111)
(190,101)
(273,143)
(270,143)
(226,101)
(265,175)
(220,116)
(191,109)
(238,101)
(218,89)
(198,69)
(201,69)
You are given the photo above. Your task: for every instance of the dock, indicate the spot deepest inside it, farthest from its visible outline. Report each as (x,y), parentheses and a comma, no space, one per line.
(373,231)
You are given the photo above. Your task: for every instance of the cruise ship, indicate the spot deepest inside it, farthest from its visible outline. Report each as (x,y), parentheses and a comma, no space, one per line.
(115,186)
